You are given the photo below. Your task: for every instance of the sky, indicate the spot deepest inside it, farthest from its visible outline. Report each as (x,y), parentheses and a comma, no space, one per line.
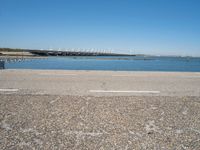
(156,27)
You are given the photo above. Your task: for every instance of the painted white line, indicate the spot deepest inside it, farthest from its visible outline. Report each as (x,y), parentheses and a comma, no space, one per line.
(191,76)
(9,90)
(122,75)
(52,74)
(103,91)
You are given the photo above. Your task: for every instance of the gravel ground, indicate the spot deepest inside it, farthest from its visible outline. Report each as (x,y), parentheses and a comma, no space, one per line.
(87,122)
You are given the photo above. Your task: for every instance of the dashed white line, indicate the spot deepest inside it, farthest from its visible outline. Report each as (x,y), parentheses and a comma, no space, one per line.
(122,75)
(9,90)
(191,76)
(52,74)
(104,91)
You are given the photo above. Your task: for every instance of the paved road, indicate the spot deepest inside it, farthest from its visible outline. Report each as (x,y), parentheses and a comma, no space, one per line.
(99,110)
(99,83)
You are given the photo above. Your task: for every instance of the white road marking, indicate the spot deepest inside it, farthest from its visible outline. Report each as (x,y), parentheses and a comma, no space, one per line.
(52,74)
(103,91)
(191,76)
(122,75)
(9,90)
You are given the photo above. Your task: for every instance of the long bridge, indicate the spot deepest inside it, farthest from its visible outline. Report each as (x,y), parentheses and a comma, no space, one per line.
(67,52)
(74,53)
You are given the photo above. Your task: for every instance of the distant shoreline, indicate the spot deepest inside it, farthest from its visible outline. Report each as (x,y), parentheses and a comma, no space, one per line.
(58,52)
(45,53)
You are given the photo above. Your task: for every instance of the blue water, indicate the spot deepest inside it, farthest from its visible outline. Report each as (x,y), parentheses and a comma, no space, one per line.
(129,63)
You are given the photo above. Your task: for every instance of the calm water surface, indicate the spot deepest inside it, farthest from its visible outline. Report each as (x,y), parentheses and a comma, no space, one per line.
(130,63)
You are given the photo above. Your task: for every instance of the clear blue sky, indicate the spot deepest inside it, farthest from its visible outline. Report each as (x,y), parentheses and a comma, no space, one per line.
(145,26)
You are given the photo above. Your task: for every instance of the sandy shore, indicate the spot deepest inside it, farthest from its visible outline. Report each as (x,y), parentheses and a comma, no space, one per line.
(3,53)
(18,55)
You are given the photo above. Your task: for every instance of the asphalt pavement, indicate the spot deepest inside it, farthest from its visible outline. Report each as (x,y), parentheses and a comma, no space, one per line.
(99,110)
